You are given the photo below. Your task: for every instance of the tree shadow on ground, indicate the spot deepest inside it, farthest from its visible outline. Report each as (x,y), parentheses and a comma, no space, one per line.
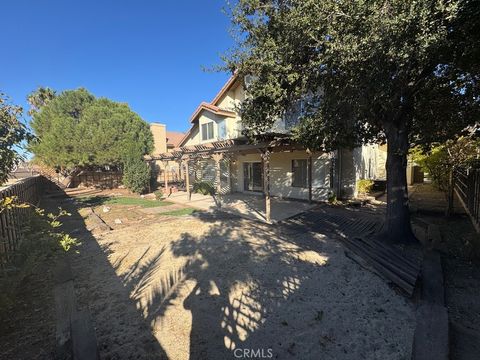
(240,285)
(273,290)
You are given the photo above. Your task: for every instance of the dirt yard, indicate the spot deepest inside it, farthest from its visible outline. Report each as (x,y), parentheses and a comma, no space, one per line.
(205,287)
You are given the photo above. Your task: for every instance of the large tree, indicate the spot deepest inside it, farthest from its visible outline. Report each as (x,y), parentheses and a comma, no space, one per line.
(404,72)
(75,130)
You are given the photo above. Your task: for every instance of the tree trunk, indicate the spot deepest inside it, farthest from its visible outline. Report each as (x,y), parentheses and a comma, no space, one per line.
(397,223)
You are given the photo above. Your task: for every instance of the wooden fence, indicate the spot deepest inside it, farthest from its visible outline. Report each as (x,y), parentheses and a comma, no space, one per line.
(98,179)
(12,219)
(467,187)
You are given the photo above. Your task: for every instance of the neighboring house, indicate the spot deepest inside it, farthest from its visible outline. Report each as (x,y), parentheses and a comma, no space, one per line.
(165,141)
(214,150)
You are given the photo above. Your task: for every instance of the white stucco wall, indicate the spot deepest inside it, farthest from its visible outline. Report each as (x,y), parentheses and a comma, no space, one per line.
(193,138)
(281,175)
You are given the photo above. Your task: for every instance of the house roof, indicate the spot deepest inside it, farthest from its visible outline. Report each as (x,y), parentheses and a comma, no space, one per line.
(174,138)
(211,108)
(228,85)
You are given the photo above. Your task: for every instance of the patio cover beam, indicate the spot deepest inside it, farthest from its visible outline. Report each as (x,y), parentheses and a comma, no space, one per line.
(224,147)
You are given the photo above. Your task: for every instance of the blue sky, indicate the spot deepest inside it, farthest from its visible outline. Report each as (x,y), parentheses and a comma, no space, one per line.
(146,53)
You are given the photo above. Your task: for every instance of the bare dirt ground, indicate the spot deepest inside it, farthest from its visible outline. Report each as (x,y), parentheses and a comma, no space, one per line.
(203,287)
(215,287)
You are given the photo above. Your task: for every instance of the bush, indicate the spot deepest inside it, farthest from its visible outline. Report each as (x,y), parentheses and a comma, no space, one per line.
(42,240)
(136,175)
(204,188)
(332,198)
(159,194)
(364,186)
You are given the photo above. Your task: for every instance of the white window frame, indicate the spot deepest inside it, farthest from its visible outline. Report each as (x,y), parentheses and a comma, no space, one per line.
(209,127)
(305,182)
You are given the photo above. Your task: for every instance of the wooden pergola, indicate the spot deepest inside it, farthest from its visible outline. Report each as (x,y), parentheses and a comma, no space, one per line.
(220,150)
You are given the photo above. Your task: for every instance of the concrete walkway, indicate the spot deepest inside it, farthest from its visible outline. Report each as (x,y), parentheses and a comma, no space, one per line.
(250,206)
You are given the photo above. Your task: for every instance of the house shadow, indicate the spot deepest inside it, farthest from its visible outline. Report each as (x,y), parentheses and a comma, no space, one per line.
(121,330)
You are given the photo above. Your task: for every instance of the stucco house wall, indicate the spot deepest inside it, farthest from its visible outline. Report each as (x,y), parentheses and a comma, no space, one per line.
(281,175)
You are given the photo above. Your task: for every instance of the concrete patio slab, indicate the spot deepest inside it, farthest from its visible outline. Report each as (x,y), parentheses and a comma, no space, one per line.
(250,206)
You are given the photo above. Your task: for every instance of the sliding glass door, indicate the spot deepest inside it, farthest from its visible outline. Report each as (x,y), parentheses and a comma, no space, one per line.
(252,176)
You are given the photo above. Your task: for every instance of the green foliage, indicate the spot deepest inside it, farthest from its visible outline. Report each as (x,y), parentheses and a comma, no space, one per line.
(41,240)
(159,194)
(204,188)
(180,212)
(39,98)
(67,242)
(75,129)
(441,159)
(345,73)
(332,198)
(12,134)
(359,71)
(11,202)
(121,200)
(136,175)
(364,186)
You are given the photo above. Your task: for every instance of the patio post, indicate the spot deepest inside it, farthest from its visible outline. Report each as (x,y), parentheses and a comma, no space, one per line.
(266,182)
(217,158)
(179,162)
(187,180)
(165,176)
(309,169)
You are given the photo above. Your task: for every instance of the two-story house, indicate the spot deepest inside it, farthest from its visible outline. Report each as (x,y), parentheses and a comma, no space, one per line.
(214,150)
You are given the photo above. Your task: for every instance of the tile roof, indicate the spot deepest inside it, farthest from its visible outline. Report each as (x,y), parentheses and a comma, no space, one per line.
(174,138)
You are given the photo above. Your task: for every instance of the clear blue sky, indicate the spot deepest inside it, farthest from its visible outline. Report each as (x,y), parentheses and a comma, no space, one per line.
(146,53)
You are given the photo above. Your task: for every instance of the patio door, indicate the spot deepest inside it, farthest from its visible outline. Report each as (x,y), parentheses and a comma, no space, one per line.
(252,176)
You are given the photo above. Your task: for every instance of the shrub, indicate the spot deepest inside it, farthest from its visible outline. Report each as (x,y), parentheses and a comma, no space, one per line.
(159,194)
(204,188)
(364,186)
(332,197)
(42,240)
(136,175)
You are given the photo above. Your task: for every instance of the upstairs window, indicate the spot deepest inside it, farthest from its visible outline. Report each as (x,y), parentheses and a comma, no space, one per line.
(300,173)
(207,131)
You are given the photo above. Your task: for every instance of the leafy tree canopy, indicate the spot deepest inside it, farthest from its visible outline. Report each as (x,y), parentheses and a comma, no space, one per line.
(75,129)
(363,67)
(362,71)
(442,158)
(12,133)
(39,98)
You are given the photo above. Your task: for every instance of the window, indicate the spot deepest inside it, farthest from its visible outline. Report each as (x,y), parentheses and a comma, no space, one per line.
(207,131)
(300,173)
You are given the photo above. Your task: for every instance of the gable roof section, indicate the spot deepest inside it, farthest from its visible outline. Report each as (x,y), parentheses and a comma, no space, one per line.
(211,108)
(228,85)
